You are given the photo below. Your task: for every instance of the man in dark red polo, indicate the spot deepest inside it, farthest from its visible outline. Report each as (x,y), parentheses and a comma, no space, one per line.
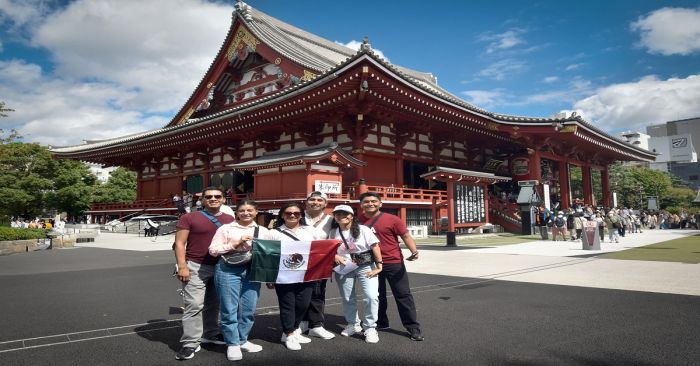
(196,269)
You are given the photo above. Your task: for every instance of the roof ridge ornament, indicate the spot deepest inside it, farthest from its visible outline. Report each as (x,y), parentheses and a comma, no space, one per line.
(366,46)
(243,9)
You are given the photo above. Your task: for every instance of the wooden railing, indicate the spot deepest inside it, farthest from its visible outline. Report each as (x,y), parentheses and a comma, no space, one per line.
(391,193)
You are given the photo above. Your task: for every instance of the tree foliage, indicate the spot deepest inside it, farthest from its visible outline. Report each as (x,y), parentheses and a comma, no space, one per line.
(635,184)
(26,172)
(4,109)
(121,187)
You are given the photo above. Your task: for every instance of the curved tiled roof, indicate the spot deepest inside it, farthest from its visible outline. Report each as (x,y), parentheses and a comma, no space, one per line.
(328,58)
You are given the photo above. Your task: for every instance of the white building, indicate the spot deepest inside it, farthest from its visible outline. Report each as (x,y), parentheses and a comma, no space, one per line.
(101,173)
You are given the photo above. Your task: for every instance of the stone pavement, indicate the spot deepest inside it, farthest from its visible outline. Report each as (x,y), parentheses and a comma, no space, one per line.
(541,261)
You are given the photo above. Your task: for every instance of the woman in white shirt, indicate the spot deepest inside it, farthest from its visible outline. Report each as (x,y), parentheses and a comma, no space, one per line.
(293,298)
(237,296)
(359,260)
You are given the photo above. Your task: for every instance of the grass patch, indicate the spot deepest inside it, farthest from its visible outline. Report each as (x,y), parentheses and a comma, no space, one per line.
(481,239)
(685,250)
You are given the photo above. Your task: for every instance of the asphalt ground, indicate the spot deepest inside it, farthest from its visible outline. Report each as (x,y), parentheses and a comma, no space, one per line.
(94,306)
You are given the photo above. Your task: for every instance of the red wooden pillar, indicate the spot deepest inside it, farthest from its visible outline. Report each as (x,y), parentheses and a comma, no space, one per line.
(605,183)
(587,188)
(451,232)
(486,202)
(564,184)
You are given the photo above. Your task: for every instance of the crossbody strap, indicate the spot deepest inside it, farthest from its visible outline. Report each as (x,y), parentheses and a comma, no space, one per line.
(211,218)
(375,220)
(288,234)
(323,217)
(347,247)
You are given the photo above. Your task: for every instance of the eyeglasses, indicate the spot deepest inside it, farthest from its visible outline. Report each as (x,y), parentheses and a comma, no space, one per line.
(216,196)
(296,213)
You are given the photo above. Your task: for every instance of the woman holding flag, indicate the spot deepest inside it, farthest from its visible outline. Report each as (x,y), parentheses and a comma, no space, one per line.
(237,296)
(359,260)
(293,298)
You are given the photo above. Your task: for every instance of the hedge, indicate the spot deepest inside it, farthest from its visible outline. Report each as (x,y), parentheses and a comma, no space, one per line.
(10,233)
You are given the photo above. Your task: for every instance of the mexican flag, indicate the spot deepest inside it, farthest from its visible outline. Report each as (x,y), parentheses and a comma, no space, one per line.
(292,261)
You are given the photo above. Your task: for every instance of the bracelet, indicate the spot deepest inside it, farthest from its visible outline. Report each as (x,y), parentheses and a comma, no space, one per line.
(379,262)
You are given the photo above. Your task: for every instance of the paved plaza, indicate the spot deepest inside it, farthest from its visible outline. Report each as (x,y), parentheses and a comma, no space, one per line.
(113,302)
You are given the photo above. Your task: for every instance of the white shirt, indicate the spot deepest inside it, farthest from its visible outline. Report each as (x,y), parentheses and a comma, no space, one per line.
(324,224)
(302,232)
(363,243)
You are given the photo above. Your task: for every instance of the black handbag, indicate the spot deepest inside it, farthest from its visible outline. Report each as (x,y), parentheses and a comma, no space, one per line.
(238,259)
(357,258)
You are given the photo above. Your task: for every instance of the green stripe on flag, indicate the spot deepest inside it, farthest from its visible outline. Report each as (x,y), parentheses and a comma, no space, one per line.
(266,260)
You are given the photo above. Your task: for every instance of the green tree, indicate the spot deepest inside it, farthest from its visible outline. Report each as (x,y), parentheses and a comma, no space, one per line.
(73,186)
(634,184)
(121,187)
(25,178)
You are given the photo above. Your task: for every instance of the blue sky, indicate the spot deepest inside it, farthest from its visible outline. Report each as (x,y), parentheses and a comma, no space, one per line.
(95,69)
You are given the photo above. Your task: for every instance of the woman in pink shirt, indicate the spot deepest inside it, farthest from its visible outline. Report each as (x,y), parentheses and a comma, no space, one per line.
(237,296)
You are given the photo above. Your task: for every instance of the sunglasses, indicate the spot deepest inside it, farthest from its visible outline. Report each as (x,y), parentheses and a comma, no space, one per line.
(292,213)
(216,196)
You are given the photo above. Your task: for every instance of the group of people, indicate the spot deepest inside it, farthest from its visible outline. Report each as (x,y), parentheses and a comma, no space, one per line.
(220,299)
(617,222)
(37,223)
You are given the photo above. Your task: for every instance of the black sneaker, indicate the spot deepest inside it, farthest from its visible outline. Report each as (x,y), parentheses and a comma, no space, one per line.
(217,339)
(415,334)
(187,352)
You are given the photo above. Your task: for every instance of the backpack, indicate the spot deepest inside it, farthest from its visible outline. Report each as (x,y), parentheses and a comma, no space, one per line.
(559,222)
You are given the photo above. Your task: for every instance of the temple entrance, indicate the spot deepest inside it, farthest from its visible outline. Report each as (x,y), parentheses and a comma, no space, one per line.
(412,172)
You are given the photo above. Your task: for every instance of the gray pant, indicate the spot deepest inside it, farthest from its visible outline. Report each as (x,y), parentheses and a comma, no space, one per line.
(201,315)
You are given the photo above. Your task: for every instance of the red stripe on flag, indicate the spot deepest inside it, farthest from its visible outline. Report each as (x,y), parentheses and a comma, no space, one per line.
(321,257)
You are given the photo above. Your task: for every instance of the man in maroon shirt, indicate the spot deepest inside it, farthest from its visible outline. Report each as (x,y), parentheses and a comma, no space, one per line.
(196,269)
(388,228)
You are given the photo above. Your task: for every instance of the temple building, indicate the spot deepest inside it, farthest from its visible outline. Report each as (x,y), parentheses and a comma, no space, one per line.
(281,112)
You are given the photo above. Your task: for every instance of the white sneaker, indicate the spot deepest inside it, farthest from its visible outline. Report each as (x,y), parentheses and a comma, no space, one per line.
(233,353)
(291,342)
(251,347)
(371,335)
(321,332)
(351,329)
(300,337)
(304,326)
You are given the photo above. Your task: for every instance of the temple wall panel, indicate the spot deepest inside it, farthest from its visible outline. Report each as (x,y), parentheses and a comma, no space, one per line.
(383,170)
(423,138)
(189,155)
(215,159)
(247,154)
(372,139)
(170,185)
(227,157)
(379,149)
(424,149)
(343,138)
(259,151)
(410,146)
(148,189)
(188,164)
(217,150)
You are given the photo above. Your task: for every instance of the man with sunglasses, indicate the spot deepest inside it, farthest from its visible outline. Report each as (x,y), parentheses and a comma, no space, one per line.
(196,268)
(314,318)
(388,228)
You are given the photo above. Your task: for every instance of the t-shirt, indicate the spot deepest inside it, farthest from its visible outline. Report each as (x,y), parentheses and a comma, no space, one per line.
(202,231)
(387,229)
(363,242)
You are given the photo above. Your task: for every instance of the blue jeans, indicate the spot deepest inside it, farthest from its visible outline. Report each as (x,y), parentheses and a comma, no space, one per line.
(238,298)
(370,300)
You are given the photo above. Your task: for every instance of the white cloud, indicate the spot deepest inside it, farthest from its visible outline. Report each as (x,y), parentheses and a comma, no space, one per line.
(637,104)
(502,41)
(669,31)
(485,98)
(154,47)
(574,66)
(122,66)
(550,79)
(58,112)
(23,12)
(500,69)
(355,45)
